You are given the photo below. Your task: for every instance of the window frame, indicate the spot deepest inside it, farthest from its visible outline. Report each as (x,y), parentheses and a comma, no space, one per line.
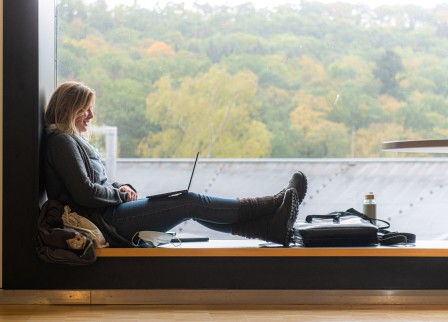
(25,89)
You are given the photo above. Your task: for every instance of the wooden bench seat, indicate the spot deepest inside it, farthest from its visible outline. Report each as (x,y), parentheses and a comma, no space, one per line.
(256,248)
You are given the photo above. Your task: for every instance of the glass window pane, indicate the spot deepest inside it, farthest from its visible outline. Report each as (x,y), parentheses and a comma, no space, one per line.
(322,81)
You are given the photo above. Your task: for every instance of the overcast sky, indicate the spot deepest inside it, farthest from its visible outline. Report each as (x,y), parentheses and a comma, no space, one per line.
(270,3)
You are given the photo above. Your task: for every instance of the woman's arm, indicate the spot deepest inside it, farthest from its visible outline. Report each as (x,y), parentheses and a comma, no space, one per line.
(66,160)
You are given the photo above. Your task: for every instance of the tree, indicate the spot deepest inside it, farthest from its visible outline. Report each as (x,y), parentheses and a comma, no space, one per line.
(369,140)
(71,61)
(100,17)
(69,10)
(276,108)
(388,67)
(320,137)
(160,48)
(122,104)
(272,70)
(216,113)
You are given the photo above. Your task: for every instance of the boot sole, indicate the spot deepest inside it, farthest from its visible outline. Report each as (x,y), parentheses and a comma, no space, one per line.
(303,187)
(292,217)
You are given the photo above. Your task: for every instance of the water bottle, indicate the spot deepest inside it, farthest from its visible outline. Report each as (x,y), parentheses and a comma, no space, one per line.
(370,205)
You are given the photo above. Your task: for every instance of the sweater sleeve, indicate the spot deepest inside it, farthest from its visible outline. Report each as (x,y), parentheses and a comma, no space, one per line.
(119,184)
(66,160)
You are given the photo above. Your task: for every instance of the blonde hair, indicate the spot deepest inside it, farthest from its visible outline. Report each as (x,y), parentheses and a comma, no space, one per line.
(68,101)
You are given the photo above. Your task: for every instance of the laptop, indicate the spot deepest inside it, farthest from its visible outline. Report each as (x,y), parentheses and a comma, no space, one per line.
(178,192)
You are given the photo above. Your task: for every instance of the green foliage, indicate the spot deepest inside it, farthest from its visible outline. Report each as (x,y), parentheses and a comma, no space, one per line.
(315,80)
(388,66)
(215,113)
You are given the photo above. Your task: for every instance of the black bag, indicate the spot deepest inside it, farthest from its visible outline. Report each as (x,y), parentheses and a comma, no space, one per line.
(52,246)
(346,228)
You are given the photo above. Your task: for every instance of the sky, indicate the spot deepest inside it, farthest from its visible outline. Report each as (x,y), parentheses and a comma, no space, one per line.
(270,3)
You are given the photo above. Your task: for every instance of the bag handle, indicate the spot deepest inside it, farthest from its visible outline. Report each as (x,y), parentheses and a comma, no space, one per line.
(374,221)
(335,216)
(393,238)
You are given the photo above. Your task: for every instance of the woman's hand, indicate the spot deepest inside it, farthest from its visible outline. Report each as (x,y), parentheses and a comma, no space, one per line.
(131,194)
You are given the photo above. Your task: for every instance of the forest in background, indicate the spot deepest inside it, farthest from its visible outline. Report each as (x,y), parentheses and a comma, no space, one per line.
(295,81)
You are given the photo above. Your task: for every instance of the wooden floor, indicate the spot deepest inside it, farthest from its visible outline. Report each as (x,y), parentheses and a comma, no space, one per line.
(124,313)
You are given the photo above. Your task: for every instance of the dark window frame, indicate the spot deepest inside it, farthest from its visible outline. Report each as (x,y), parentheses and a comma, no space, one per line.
(21,138)
(27,81)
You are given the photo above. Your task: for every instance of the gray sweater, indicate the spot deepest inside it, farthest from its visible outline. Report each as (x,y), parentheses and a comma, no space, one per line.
(75,176)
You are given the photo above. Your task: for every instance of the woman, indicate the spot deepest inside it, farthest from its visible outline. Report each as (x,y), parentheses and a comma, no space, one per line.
(76,177)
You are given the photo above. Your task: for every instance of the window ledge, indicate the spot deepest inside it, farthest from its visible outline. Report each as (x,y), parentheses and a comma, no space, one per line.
(256,248)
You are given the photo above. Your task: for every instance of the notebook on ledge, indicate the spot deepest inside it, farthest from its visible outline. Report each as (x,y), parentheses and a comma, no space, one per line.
(177,192)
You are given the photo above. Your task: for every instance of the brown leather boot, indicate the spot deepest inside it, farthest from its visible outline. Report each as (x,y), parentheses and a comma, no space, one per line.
(275,228)
(300,183)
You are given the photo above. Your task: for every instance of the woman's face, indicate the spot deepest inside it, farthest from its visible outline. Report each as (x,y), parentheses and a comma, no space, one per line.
(82,121)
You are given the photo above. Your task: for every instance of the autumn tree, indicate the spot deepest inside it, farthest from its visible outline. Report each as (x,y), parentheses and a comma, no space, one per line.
(216,113)
(369,140)
(320,136)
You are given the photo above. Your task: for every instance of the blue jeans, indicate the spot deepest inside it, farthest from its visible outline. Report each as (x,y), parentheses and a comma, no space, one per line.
(165,213)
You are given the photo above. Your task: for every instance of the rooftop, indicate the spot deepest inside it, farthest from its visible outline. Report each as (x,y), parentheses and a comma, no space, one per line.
(411,193)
